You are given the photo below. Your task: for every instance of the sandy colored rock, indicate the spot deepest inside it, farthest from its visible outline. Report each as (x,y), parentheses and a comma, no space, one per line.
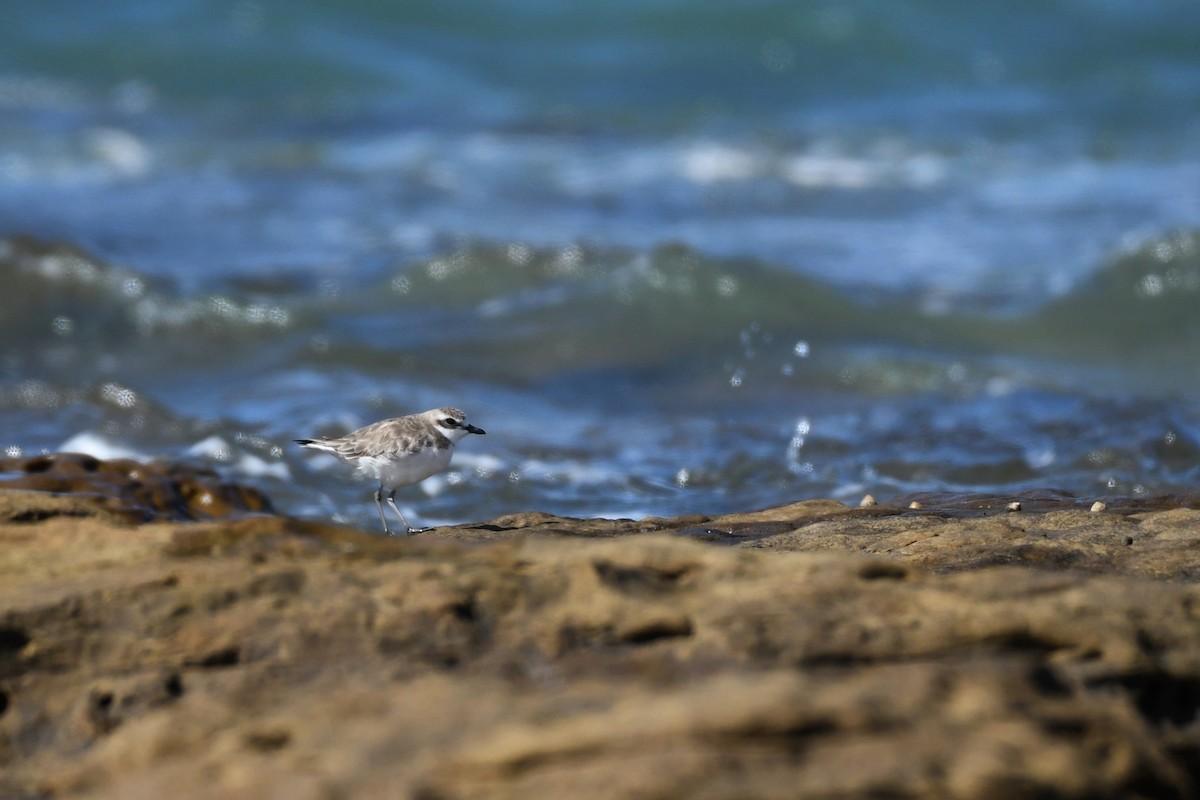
(955,651)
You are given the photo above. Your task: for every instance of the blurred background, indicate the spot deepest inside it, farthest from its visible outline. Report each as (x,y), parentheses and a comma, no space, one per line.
(674,256)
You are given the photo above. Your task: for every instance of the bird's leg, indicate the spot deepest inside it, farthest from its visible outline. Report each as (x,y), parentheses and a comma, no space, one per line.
(379,505)
(392,503)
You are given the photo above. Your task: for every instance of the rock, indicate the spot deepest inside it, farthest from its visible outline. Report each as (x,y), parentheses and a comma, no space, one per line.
(134,491)
(953,650)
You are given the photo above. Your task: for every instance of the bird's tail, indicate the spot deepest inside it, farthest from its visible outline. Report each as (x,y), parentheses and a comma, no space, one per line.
(316,444)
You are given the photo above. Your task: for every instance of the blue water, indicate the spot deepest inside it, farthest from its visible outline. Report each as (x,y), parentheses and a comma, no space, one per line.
(673,256)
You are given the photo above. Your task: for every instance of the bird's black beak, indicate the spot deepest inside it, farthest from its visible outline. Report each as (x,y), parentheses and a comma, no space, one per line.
(472,429)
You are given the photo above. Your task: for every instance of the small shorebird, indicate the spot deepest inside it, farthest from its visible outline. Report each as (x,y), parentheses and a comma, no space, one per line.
(399,452)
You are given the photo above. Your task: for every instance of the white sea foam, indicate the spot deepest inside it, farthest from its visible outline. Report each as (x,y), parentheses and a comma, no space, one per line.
(479,462)
(434,485)
(93,444)
(121,151)
(252,466)
(247,464)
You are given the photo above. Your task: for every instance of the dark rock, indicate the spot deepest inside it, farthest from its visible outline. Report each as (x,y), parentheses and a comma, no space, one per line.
(131,490)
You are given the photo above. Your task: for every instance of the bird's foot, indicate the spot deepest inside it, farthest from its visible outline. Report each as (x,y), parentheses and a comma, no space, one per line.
(407,532)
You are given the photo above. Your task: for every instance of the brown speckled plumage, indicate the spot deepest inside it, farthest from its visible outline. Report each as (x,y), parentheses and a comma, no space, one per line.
(387,438)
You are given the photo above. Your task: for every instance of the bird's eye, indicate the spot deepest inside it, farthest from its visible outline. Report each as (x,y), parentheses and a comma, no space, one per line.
(450,422)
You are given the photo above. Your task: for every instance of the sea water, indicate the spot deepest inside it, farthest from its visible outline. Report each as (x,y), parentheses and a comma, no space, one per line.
(674,257)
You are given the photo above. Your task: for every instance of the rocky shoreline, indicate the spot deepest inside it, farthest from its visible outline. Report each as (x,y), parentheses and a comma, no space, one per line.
(163,633)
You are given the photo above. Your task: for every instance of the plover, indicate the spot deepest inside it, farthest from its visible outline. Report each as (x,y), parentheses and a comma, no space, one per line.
(399,452)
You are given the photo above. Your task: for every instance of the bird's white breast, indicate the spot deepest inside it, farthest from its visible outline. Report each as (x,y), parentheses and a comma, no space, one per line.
(393,473)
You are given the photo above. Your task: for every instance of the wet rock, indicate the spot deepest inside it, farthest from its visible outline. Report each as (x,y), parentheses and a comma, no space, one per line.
(953,650)
(132,490)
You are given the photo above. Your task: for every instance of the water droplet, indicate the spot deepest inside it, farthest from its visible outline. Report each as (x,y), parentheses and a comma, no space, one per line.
(519,253)
(569,260)
(118,395)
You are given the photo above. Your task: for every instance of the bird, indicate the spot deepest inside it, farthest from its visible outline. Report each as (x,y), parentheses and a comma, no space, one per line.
(399,452)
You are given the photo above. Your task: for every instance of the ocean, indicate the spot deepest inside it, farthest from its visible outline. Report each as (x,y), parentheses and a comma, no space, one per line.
(674,257)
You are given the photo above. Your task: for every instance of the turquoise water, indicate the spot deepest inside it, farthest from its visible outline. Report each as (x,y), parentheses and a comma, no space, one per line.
(699,256)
